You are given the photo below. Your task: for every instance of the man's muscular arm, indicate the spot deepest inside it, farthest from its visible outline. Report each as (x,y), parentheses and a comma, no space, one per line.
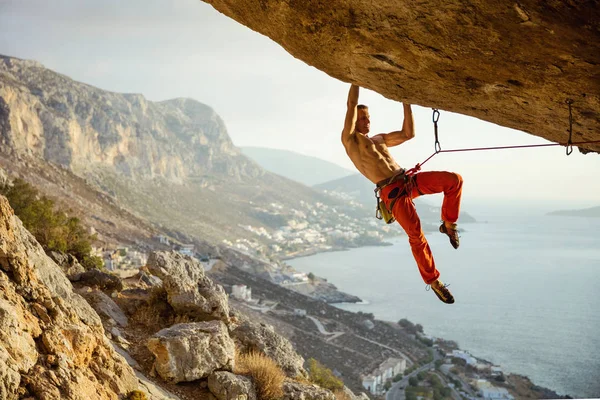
(350,121)
(408,130)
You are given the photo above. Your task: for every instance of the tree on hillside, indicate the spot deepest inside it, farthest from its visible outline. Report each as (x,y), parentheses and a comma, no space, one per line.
(51,226)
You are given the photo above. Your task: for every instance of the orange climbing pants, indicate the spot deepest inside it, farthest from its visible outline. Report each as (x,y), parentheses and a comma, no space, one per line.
(405,213)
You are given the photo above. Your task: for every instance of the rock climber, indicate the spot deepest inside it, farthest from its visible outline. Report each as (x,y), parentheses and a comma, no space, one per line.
(397,189)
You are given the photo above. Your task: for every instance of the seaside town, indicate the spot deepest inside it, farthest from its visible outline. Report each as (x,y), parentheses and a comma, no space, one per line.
(311,229)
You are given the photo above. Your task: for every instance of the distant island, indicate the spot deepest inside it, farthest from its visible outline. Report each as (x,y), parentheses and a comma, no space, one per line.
(593,212)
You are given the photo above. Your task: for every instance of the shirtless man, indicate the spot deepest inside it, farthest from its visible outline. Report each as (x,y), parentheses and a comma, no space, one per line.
(372,158)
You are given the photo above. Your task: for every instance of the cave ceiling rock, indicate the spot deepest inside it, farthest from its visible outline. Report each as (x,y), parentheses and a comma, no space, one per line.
(511,63)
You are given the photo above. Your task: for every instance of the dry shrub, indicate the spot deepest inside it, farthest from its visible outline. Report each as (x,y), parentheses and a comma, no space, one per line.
(148,317)
(340,394)
(266,374)
(302,379)
(180,319)
(158,295)
(137,395)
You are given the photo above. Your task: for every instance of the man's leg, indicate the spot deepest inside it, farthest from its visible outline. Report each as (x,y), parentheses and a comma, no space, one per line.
(451,185)
(405,213)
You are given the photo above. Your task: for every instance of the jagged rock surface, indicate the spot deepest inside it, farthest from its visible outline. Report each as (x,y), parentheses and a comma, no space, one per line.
(69,264)
(510,63)
(189,290)
(106,308)
(227,386)
(252,336)
(52,344)
(187,352)
(300,391)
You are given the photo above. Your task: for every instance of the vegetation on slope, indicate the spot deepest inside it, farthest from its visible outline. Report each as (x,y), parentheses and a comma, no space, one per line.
(50,224)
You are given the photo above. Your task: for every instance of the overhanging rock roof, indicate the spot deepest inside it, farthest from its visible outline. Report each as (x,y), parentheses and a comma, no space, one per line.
(511,63)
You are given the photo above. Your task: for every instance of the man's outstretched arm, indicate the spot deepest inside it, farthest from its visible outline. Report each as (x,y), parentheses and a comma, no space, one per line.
(351,112)
(408,129)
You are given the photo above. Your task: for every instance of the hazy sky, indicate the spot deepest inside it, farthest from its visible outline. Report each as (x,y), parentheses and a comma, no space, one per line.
(184,48)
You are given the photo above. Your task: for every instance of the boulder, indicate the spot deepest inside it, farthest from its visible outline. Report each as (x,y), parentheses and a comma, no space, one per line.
(186,352)
(300,391)
(261,337)
(352,396)
(102,280)
(69,264)
(227,386)
(106,308)
(189,290)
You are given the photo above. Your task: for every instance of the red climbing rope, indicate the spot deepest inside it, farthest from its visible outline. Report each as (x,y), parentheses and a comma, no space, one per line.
(438,148)
(418,166)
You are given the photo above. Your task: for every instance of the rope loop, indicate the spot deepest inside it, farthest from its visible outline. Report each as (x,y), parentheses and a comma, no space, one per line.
(569,148)
(436,116)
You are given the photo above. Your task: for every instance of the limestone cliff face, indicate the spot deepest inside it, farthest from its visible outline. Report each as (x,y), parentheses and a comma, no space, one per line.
(50,116)
(52,344)
(511,63)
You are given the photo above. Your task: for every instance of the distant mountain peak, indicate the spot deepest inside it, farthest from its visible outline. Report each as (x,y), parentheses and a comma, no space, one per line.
(83,128)
(307,170)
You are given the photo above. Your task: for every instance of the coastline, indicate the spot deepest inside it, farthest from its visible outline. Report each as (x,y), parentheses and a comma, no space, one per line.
(524,380)
(313,251)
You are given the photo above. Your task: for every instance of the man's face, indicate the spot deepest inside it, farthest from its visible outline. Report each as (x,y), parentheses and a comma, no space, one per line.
(363,121)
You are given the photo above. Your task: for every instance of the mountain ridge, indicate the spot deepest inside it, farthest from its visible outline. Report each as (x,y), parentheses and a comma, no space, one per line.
(171,163)
(308,170)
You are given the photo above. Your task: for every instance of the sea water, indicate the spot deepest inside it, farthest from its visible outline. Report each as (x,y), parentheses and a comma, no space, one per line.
(527,293)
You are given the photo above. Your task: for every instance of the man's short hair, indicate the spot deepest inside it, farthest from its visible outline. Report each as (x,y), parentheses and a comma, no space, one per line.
(362,107)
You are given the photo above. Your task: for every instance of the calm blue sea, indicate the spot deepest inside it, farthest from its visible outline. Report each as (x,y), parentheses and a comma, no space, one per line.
(527,293)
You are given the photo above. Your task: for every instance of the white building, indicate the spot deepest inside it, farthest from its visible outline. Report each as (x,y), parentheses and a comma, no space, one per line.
(186,249)
(388,369)
(470,360)
(300,277)
(489,391)
(163,239)
(369,382)
(241,292)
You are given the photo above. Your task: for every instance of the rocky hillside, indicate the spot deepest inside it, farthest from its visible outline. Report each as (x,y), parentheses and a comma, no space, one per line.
(107,339)
(82,128)
(52,344)
(169,163)
(511,63)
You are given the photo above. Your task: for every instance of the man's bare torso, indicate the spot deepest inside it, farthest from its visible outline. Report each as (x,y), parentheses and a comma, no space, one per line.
(371,157)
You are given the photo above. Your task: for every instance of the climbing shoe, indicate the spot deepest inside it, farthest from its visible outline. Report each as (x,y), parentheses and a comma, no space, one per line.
(452,234)
(442,292)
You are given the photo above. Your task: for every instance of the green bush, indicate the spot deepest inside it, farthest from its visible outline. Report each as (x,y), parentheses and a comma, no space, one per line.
(323,376)
(52,227)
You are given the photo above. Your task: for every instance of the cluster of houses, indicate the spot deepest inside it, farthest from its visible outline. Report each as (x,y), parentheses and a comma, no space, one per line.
(121,258)
(312,227)
(374,382)
(485,389)
(125,258)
